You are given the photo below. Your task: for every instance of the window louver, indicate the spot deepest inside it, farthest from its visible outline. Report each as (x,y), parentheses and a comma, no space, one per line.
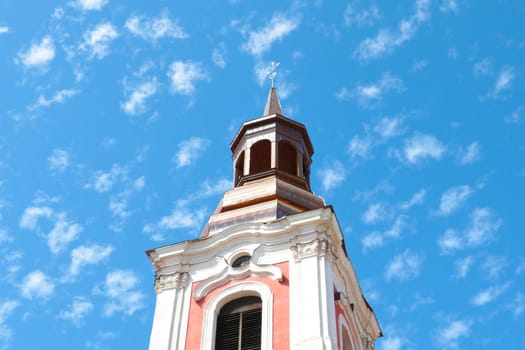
(239,325)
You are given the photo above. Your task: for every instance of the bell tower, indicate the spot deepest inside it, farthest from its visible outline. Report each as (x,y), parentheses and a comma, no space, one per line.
(270,269)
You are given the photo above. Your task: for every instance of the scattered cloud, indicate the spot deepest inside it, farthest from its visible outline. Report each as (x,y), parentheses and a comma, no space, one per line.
(364,18)
(59,97)
(138,96)
(386,40)
(77,311)
(516,116)
(450,241)
(90,5)
(190,150)
(419,65)
(262,40)
(184,75)
(392,343)
(448,337)
(374,213)
(417,198)
(388,128)
(463,266)
(483,68)
(37,284)
(493,266)
(516,305)
(332,176)
(489,294)
(453,198)
(502,84)
(39,55)
(469,155)
(103,181)
(449,6)
(31,216)
(370,95)
(6,309)
(218,55)
(360,146)
(378,239)
(220,186)
(404,266)
(422,146)
(121,289)
(153,29)
(88,255)
(97,40)
(58,160)
(4,29)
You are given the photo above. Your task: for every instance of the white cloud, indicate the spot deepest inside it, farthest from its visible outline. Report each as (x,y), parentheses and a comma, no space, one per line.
(121,289)
(483,68)
(422,146)
(190,150)
(184,75)
(450,241)
(378,239)
(417,198)
(483,226)
(59,97)
(218,56)
(387,40)
(38,55)
(103,181)
(516,116)
(374,213)
(419,65)
(463,266)
(58,160)
(153,29)
(37,285)
(77,311)
(493,266)
(261,41)
(453,198)
(98,39)
(360,146)
(219,187)
(364,18)
(332,176)
(489,294)
(448,337)
(517,305)
(63,233)
(469,155)
(4,29)
(31,215)
(138,96)
(387,128)
(139,183)
(369,95)
(404,266)
(503,83)
(449,6)
(6,308)
(88,5)
(373,240)
(392,343)
(88,255)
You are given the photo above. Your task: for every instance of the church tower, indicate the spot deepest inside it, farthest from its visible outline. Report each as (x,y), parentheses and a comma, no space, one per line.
(270,270)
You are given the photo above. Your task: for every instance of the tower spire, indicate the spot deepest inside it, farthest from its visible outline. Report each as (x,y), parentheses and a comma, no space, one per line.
(272,104)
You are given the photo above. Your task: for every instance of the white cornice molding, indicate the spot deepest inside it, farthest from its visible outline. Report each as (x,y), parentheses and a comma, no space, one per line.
(230,273)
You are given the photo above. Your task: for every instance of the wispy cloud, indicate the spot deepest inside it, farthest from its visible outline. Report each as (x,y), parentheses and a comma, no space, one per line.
(516,116)
(364,18)
(39,55)
(58,160)
(90,5)
(103,181)
(449,6)
(88,255)
(502,84)
(422,146)
(332,176)
(374,213)
(6,309)
(37,284)
(218,55)
(482,68)
(59,97)
(77,311)
(493,266)
(377,239)
(183,75)
(417,198)
(370,95)
(404,266)
(4,29)
(463,266)
(360,146)
(261,40)
(121,289)
(387,40)
(190,150)
(387,128)
(517,304)
(489,294)
(138,97)
(469,155)
(97,40)
(155,28)
(448,337)
(453,198)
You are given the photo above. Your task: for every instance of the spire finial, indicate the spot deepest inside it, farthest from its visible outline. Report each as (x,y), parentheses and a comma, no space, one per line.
(273,72)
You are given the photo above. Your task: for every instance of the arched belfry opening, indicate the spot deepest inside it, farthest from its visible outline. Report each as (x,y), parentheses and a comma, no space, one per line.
(260,157)
(287,158)
(239,168)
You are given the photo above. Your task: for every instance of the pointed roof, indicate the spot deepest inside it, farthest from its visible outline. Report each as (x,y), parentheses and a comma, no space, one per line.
(272,104)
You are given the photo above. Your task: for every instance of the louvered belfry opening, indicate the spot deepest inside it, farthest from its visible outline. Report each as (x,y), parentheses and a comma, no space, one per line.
(239,325)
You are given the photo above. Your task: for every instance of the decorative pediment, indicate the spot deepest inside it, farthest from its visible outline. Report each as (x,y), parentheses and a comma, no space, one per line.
(230,273)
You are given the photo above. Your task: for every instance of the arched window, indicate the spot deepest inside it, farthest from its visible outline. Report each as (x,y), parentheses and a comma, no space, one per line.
(239,325)
(347,345)
(287,158)
(260,156)
(239,168)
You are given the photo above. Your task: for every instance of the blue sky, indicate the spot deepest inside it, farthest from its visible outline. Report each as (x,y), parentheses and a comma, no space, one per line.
(115,122)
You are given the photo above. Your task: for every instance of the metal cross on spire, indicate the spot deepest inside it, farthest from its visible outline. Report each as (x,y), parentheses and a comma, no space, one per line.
(273,72)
